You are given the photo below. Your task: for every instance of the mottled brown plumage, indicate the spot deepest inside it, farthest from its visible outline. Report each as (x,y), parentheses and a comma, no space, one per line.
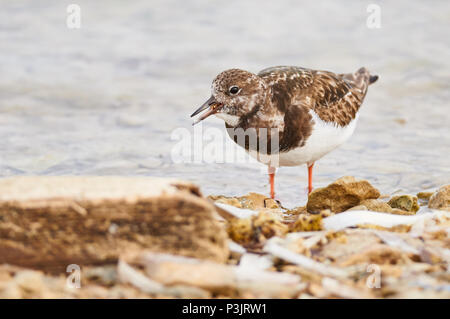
(334,97)
(282,97)
(297,114)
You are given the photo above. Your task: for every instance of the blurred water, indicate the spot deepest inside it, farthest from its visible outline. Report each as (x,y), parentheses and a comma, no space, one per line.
(105,99)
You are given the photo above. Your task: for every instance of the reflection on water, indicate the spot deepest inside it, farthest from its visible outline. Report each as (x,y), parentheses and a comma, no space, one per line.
(105,99)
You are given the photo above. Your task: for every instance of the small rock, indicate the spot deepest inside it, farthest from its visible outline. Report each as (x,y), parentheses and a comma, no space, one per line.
(240,230)
(341,195)
(256,229)
(406,203)
(232,201)
(441,199)
(375,205)
(307,222)
(424,195)
(358,207)
(253,201)
(297,211)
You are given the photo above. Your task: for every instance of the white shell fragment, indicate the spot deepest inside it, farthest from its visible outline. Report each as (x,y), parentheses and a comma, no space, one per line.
(274,247)
(360,217)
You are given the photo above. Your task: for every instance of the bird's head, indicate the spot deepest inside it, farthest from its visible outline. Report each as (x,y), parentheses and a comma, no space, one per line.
(235,93)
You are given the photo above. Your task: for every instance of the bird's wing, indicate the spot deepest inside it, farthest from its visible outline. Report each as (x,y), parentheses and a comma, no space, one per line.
(331,96)
(334,98)
(288,84)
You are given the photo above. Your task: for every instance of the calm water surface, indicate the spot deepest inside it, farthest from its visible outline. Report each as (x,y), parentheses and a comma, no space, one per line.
(105,99)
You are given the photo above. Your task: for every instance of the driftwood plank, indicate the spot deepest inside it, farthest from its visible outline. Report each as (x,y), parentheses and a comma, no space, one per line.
(51,222)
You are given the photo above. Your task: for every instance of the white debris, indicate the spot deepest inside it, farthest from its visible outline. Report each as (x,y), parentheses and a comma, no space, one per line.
(274,247)
(237,212)
(129,275)
(236,248)
(358,217)
(254,261)
(394,240)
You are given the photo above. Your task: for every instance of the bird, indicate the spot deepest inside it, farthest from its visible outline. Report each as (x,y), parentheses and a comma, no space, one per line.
(287,115)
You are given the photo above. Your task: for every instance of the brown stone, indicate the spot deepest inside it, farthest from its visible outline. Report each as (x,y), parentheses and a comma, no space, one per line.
(256,229)
(309,222)
(424,195)
(441,199)
(404,202)
(51,222)
(253,201)
(341,195)
(376,205)
(358,207)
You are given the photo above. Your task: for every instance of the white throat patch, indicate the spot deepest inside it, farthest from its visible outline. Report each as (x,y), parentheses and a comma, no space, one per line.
(231,120)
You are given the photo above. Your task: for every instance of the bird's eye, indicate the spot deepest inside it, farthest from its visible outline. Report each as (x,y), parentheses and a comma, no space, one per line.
(234,89)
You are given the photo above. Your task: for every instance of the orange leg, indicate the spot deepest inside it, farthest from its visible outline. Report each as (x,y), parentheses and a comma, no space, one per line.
(310,174)
(272,181)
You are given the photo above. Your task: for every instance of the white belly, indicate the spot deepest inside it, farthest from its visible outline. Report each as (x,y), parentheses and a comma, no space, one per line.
(324,138)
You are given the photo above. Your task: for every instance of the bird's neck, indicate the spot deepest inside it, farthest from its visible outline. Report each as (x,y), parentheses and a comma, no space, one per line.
(262,114)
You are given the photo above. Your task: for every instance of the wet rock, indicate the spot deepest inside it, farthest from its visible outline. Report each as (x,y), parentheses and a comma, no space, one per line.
(341,195)
(406,203)
(253,201)
(375,205)
(256,229)
(297,211)
(241,230)
(309,222)
(51,222)
(359,207)
(232,201)
(424,195)
(441,199)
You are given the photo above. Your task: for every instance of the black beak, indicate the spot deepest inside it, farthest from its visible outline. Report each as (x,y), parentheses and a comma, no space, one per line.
(213,106)
(204,106)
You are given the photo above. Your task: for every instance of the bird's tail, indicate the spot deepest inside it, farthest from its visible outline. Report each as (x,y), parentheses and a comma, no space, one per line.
(364,75)
(360,79)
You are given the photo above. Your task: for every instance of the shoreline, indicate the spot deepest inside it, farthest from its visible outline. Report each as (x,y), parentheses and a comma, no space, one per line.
(152,238)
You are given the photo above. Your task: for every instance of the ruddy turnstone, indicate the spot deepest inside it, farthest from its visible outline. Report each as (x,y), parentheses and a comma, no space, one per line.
(297,115)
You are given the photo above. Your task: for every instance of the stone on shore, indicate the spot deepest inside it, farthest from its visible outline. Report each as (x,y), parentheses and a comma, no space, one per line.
(441,199)
(253,201)
(424,195)
(344,193)
(376,205)
(51,222)
(257,229)
(406,203)
(163,240)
